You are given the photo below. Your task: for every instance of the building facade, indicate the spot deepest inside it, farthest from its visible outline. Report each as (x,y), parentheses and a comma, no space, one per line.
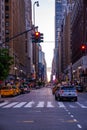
(2,23)
(28,41)
(79,37)
(15,25)
(58,21)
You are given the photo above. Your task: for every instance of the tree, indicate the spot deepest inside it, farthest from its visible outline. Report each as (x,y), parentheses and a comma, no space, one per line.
(5,62)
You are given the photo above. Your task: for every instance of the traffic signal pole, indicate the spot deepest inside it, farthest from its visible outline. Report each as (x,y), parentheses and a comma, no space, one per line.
(18,35)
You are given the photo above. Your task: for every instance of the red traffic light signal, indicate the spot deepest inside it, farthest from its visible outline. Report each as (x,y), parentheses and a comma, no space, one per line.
(83,47)
(37,34)
(37,37)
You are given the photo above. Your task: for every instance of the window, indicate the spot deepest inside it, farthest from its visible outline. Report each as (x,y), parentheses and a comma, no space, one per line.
(6,8)
(6,1)
(7,24)
(3,24)
(7,31)
(7,16)
(7,39)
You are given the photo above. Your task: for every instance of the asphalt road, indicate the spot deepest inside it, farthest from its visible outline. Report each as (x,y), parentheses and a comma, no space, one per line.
(38,110)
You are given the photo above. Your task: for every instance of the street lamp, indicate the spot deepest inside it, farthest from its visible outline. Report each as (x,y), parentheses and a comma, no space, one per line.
(37,4)
(15,68)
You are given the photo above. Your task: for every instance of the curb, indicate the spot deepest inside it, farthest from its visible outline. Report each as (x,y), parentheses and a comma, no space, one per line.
(1,101)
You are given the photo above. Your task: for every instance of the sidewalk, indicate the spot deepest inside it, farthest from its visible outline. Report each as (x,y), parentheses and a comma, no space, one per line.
(1,100)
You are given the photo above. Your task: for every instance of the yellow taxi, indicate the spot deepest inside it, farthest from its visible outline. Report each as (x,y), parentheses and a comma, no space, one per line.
(17,87)
(8,91)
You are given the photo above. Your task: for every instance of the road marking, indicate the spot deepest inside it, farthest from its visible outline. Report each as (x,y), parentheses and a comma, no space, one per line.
(79,126)
(40,104)
(49,104)
(19,105)
(75,120)
(30,104)
(81,105)
(72,116)
(71,106)
(2,104)
(10,105)
(61,105)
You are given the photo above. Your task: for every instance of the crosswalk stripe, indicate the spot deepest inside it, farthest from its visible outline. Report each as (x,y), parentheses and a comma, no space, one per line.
(30,104)
(2,104)
(72,106)
(19,105)
(49,104)
(40,104)
(10,105)
(81,105)
(61,105)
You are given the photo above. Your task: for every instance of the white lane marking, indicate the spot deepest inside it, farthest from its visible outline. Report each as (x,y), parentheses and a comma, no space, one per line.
(19,105)
(72,116)
(61,105)
(75,120)
(71,106)
(81,105)
(49,104)
(79,126)
(2,104)
(69,113)
(30,104)
(40,104)
(10,105)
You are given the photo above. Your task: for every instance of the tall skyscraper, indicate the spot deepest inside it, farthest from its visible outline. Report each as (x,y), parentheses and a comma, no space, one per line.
(59,11)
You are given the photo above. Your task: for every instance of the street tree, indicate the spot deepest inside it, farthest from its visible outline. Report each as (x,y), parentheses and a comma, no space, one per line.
(5,62)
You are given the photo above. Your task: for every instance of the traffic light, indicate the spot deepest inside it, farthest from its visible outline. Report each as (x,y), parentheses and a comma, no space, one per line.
(83,49)
(41,37)
(37,37)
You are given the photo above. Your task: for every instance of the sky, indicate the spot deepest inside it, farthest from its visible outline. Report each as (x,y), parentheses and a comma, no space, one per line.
(44,19)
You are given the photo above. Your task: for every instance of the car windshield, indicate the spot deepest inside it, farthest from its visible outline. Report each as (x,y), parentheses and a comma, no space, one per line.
(3,88)
(68,88)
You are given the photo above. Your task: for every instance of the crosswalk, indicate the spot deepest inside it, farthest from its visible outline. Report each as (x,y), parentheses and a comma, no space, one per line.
(41,104)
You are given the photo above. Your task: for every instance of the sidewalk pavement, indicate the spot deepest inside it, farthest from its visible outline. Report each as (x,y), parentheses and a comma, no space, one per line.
(1,100)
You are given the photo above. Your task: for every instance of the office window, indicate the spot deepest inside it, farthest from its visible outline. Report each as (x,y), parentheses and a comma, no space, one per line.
(7,24)
(7,8)
(7,16)
(7,39)
(3,24)
(6,1)
(7,31)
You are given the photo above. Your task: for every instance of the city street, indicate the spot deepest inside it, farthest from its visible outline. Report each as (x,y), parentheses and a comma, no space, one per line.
(38,110)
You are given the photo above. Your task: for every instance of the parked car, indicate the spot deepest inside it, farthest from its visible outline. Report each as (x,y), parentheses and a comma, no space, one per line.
(18,91)
(79,88)
(8,91)
(26,88)
(66,92)
(22,91)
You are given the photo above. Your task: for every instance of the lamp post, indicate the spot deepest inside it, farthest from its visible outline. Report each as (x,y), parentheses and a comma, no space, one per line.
(15,68)
(37,4)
